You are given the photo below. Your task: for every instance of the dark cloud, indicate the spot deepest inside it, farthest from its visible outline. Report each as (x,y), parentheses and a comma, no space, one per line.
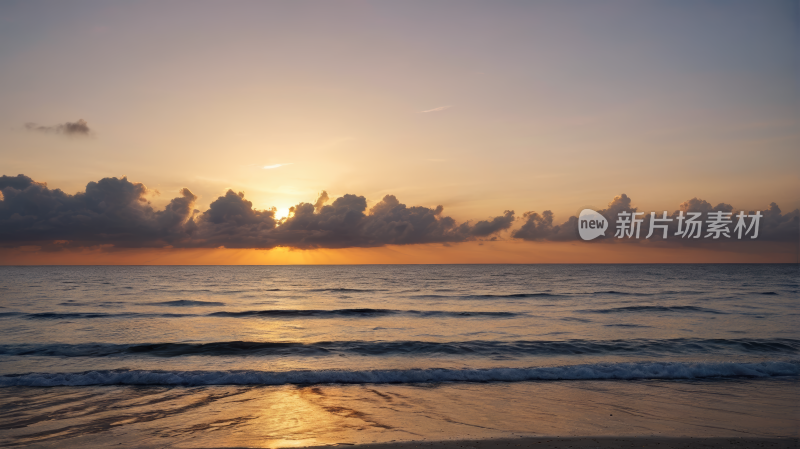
(79,128)
(230,221)
(175,221)
(781,227)
(110,211)
(116,212)
(346,223)
(488,227)
(774,225)
(540,227)
(19,182)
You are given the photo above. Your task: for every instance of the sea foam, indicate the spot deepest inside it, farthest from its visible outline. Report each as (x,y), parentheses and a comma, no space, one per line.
(603,371)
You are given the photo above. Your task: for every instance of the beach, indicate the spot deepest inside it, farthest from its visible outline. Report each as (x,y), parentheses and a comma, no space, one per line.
(369,414)
(598,442)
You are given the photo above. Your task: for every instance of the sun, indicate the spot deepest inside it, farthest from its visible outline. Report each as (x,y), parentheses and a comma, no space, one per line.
(281,212)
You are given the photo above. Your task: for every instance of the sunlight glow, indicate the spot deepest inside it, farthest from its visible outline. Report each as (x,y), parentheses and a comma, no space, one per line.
(281,212)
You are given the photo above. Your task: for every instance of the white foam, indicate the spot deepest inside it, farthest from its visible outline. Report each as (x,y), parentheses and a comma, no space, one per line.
(621,371)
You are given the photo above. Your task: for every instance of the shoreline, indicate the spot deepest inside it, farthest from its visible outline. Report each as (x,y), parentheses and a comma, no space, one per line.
(588,442)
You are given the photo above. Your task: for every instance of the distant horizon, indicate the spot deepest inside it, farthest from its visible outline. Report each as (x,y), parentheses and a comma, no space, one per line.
(431,264)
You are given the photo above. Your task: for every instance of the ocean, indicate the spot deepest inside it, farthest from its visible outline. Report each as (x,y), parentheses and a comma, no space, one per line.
(298,355)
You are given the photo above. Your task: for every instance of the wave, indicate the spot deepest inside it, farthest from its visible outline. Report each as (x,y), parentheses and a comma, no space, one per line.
(185,303)
(273,313)
(617,293)
(625,325)
(361,313)
(480,348)
(488,296)
(654,309)
(545,294)
(350,290)
(601,371)
(579,320)
(82,315)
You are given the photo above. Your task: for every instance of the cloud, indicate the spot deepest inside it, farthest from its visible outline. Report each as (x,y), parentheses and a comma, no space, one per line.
(230,221)
(270,167)
(488,227)
(115,211)
(347,223)
(110,211)
(79,128)
(773,226)
(439,109)
(323,198)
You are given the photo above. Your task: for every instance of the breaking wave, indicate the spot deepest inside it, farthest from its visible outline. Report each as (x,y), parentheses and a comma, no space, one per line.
(361,313)
(274,313)
(604,371)
(479,348)
(488,296)
(654,309)
(186,303)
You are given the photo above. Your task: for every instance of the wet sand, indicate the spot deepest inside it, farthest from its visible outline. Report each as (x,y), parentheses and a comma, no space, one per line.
(594,443)
(657,414)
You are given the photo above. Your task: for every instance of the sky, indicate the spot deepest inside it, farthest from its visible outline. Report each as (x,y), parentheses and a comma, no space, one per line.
(480,107)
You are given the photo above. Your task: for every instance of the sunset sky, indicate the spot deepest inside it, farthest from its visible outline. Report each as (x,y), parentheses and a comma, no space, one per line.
(480,107)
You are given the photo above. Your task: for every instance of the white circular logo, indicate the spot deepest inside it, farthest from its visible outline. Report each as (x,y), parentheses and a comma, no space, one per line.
(591,224)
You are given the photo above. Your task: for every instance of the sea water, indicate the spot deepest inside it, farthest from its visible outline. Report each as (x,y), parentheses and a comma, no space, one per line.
(521,340)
